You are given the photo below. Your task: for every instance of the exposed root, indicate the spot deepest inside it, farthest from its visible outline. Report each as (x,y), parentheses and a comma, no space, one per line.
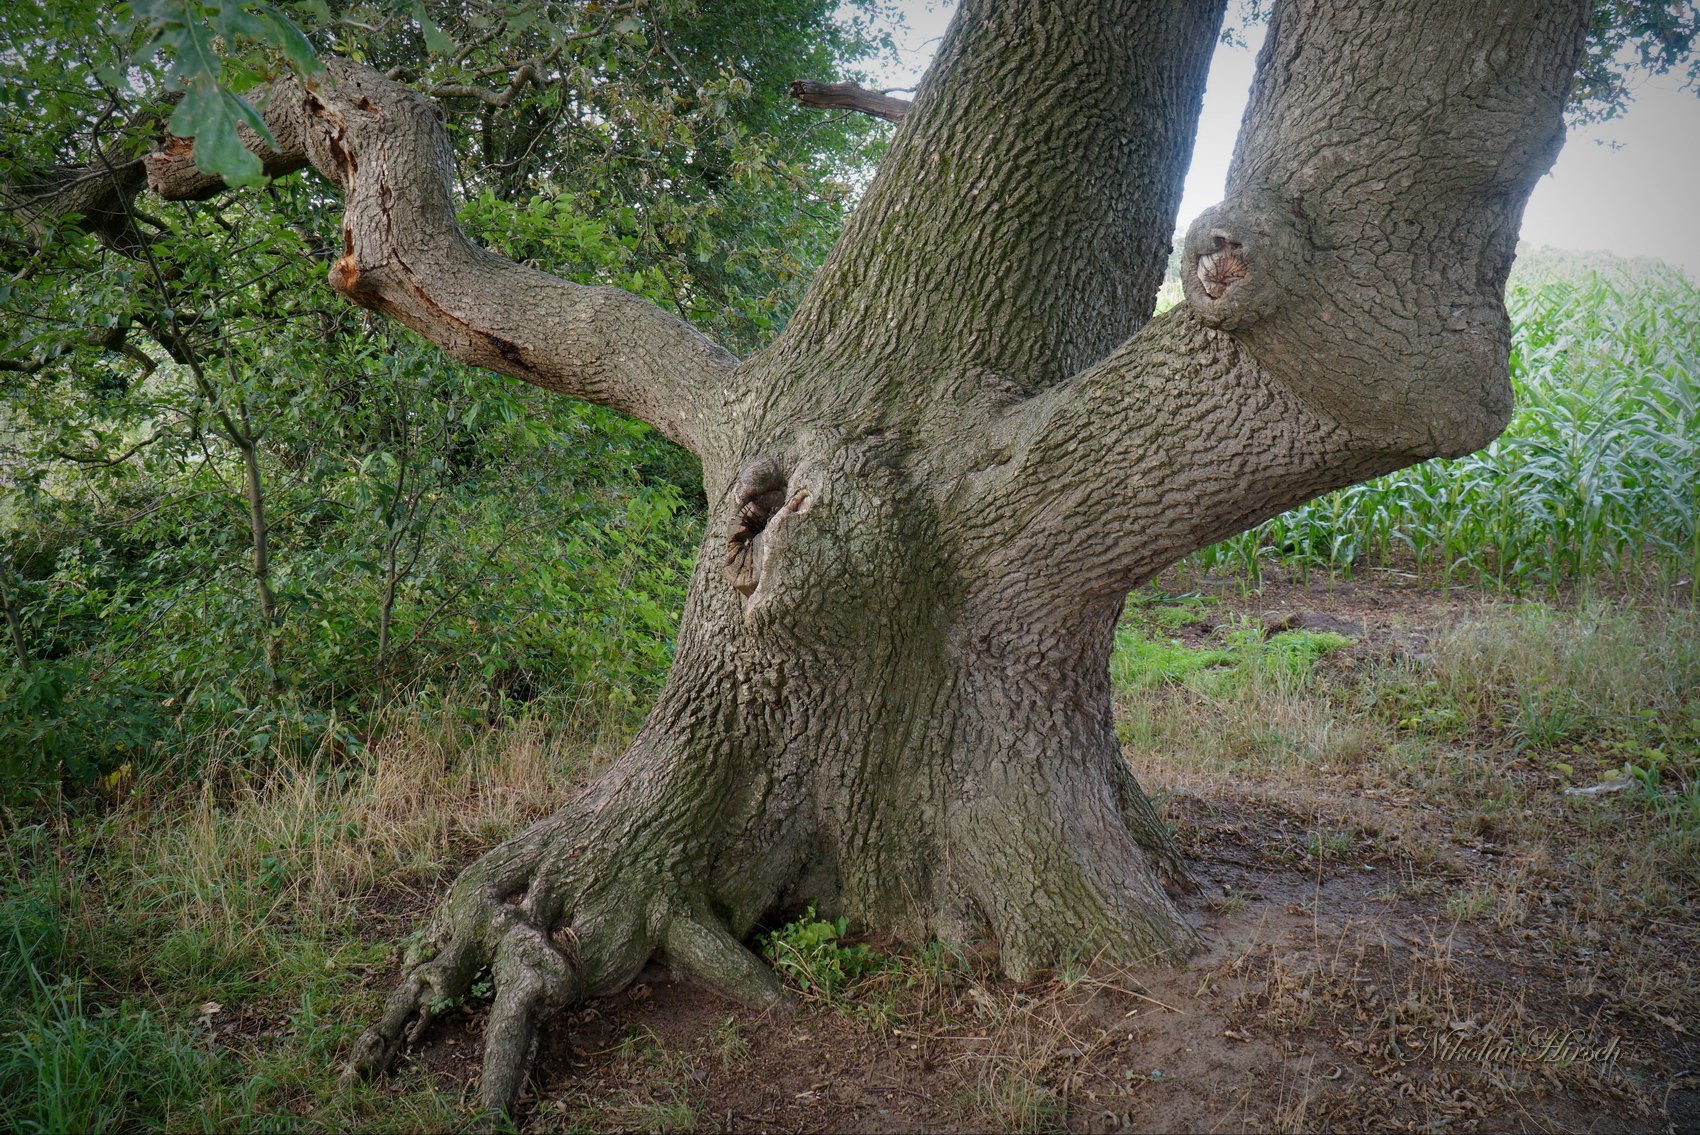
(430,986)
(478,928)
(573,907)
(1152,835)
(553,926)
(704,951)
(531,977)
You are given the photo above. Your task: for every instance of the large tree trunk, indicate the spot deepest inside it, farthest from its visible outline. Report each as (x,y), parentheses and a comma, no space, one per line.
(933,492)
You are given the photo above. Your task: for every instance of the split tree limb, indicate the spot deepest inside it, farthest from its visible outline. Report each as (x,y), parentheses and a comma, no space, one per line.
(849,96)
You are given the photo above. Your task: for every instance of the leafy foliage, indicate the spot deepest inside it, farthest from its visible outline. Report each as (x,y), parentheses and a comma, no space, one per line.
(240,516)
(812,952)
(195,35)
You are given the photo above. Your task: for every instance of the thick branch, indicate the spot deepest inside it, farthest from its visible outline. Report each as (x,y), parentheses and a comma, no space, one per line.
(1373,208)
(849,96)
(1176,441)
(100,193)
(1021,222)
(404,255)
(1345,310)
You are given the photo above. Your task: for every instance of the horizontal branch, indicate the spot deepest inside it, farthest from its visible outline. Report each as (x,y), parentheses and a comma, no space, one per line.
(99,193)
(404,255)
(523,76)
(848,96)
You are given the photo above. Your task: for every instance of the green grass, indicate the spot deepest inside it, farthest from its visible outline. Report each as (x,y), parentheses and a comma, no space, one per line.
(1596,478)
(1504,707)
(71,1060)
(198,956)
(279,893)
(1145,658)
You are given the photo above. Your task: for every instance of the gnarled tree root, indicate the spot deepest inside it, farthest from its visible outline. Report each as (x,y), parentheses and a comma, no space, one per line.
(573,908)
(494,922)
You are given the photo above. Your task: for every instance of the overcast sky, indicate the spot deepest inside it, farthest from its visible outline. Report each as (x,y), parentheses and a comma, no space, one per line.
(1641,198)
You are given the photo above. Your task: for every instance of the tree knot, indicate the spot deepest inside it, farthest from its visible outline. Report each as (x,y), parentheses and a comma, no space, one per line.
(1238,260)
(761,501)
(1220,269)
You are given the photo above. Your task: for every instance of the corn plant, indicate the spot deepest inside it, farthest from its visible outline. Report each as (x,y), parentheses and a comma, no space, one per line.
(1594,478)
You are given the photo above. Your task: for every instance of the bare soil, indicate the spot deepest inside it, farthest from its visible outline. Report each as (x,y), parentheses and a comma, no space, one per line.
(1342,987)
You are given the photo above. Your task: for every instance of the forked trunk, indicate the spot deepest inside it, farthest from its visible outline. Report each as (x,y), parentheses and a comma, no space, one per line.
(859,717)
(895,743)
(930,496)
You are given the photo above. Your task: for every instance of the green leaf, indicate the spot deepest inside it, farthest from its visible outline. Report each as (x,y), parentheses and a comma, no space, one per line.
(248,115)
(210,116)
(287,38)
(436,39)
(234,22)
(196,60)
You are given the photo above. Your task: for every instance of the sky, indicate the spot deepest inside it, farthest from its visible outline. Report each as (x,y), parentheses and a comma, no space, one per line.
(1629,186)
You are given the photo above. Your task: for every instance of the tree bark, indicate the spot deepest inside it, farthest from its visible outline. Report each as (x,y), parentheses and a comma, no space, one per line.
(934,490)
(849,96)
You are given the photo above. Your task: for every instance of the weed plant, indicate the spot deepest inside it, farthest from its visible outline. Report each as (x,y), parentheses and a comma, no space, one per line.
(814,954)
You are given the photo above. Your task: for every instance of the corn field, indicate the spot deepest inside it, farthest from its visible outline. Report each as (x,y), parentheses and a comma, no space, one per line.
(1595,478)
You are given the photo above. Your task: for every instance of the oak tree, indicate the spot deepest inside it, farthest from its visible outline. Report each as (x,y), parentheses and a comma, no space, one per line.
(930,495)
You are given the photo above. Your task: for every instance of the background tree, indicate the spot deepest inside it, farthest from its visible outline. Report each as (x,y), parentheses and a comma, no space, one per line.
(930,495)
(235,507)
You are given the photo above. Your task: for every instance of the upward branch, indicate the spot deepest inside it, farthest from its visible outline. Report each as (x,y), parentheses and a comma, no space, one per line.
(1345,306)
(404,255)
(1021,222)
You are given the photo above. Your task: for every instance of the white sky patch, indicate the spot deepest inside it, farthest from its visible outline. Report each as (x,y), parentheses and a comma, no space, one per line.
(1637,197)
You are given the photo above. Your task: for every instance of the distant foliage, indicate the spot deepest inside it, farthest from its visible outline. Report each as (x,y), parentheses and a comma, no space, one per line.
(241,518)
(1598,474)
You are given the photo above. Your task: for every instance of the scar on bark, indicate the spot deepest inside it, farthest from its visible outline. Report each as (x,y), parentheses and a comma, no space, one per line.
(762,500)
(1219,270)
(340,154)
(507,348)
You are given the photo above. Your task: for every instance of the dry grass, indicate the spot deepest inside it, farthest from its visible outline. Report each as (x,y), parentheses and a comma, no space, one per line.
(1390,854)
(259,912)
